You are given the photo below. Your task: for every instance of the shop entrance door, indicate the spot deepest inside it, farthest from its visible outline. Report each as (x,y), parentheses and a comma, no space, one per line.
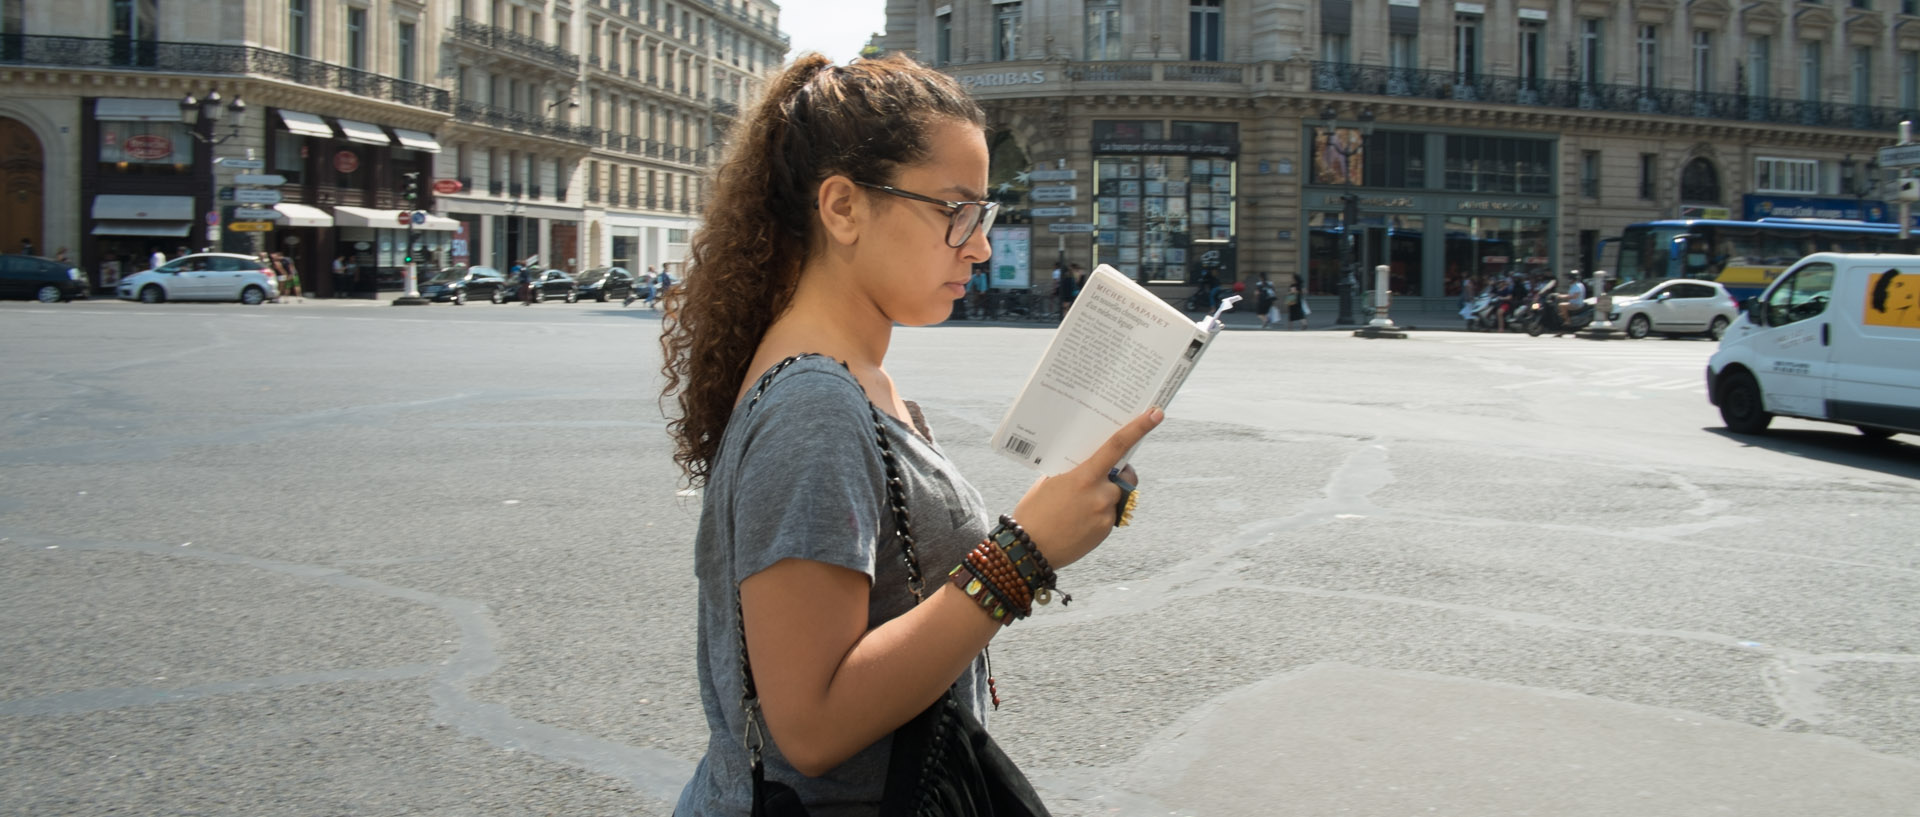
(22,177)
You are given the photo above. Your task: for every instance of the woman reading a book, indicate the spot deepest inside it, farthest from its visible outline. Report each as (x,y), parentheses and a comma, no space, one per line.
(850,199)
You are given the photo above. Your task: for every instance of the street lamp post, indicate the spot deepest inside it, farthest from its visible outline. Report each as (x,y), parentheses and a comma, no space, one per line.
(210,112)
(1350,205)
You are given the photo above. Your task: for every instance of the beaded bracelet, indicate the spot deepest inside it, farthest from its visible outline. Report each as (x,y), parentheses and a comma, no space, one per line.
(976,588)
(1028,561)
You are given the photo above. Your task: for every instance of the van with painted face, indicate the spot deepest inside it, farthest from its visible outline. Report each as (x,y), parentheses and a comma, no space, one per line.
(1835,338)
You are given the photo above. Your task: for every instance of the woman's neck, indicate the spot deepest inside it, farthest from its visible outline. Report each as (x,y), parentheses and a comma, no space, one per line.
(830,316)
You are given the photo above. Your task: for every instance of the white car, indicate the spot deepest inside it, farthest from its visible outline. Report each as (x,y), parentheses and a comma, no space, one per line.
(207,276)
(1672,306)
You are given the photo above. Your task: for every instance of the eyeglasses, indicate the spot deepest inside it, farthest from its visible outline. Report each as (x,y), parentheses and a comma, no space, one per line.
(963,219)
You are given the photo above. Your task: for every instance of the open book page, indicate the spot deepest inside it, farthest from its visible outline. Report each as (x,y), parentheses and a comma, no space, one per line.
(1120,350)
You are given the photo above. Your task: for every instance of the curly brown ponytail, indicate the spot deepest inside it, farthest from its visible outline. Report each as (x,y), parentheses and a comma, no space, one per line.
(864,121)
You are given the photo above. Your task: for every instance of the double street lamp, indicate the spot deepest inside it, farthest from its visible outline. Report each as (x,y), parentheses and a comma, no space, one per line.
(210,112)
(1350,203)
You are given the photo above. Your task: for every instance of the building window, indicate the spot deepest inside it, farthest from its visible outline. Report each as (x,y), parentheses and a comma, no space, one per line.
(1699,182)
(1203,30)
(1647,46)
(1759,66)
(1403,53)
(1590,52)
(1810,71)
(942,41)
(1703,61)
(288,158)
(1531,69)
(1466,46)
(1006,31)
(1649,164)
(1590,174)
(299,33)
(405,43)
(357,39)
(1863,75)
(1910,79)
(1164,217)
(1103,30)
(1335,47)
(1395,159)
(1497,165)
(1799,177)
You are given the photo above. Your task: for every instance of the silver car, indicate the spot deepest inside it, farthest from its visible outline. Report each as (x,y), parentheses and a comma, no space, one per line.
(1672,306)
(206,276)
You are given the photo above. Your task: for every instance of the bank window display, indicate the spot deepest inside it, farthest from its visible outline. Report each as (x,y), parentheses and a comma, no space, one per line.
(1481,164)
(1484,248)
(1394,240)
(1164,218)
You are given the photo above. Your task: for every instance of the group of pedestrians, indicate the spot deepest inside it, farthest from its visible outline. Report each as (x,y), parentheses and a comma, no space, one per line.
(1269,305)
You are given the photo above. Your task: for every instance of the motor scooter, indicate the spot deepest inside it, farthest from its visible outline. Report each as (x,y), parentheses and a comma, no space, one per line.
(1547,317)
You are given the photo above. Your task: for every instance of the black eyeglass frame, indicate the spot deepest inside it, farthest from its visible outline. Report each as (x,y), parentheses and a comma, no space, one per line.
(954,208)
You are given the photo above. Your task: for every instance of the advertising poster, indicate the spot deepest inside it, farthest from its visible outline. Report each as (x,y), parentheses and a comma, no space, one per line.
(1012,256)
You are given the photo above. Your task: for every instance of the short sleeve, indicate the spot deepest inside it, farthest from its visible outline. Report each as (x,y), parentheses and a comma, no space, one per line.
(811,484)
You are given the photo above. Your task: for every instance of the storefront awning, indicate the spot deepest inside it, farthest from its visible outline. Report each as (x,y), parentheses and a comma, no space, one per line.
(168,228)
(300,215)
(143,208)
(363,132)
(416,140)
(388,219)
(306,124)
(136,110)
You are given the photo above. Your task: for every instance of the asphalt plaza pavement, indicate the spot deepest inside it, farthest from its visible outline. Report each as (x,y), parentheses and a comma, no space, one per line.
(298,559)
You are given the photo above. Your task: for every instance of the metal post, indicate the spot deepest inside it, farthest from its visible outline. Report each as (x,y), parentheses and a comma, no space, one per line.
(1906,207)
(1382,297)
(1349,216)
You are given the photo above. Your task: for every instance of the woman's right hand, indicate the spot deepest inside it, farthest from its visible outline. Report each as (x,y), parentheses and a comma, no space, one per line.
(1070,513)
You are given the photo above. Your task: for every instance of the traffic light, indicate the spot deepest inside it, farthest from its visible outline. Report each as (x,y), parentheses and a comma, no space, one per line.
(411,193)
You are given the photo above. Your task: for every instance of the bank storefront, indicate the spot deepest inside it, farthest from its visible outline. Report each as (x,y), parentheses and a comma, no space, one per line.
(1437,209)
(1164,206)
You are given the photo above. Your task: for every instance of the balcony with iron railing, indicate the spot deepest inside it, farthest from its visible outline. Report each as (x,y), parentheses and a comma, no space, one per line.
(480,113)
(593,194)
(149,56)
(1487,89)
(473,32)
(1211,72)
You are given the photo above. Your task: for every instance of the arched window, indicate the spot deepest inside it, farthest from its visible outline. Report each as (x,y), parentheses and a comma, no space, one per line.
(1699,182)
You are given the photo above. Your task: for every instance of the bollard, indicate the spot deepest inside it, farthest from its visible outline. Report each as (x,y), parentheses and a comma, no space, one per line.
(1381,326)
(410,279)
(1602,304)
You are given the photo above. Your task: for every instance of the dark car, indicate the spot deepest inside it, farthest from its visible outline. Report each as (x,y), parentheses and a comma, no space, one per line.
(462,284)
(552,283)
(604,283)
(41,279)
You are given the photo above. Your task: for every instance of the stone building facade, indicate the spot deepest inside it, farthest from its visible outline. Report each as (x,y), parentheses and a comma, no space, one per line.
(574,130)
(1173,138)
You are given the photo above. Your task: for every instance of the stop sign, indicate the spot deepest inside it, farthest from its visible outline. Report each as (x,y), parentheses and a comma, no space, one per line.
(406,217)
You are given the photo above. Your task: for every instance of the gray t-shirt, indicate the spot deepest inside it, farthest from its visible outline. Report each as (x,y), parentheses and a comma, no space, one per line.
(799,476)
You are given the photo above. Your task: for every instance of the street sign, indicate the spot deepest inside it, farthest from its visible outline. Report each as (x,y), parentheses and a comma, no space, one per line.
(226,194)
(1053,175)
(256,213)
(251,226)
(213,218)
(406,217)
(1062,193)
(1053,212)
(252,196)
(1900,156)
(448,186)
(419,217)
(268,179)
(240,164)
(1068,227)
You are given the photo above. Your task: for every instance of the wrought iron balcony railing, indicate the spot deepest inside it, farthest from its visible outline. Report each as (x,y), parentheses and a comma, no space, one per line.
(469,30)
(1381,80)
(493,117)
(725,108)
(206,58)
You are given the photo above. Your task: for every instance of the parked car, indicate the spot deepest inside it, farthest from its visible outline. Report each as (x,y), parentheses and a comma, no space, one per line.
(605,283)
(42,279)
(552,283)
(1672,306)
(207,276)
(1835,338)
(462,284)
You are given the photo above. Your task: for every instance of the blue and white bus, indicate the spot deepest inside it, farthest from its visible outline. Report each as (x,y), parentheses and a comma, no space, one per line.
(1744,256)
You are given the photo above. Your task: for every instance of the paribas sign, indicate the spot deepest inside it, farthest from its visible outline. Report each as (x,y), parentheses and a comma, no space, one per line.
(1004,80)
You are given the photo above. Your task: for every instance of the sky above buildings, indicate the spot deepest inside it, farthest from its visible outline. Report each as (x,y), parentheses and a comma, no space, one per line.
(836,28)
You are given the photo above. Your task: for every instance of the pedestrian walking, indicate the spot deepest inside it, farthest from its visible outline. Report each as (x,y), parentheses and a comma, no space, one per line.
(1266,303)
(825,499)
(1297,310)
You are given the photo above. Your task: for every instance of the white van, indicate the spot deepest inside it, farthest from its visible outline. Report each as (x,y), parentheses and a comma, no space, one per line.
(1834,338)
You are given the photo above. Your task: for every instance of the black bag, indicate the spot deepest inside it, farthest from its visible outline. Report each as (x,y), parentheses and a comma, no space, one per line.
(943,763)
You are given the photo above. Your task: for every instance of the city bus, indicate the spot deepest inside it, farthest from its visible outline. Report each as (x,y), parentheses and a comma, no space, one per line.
(1744,256)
